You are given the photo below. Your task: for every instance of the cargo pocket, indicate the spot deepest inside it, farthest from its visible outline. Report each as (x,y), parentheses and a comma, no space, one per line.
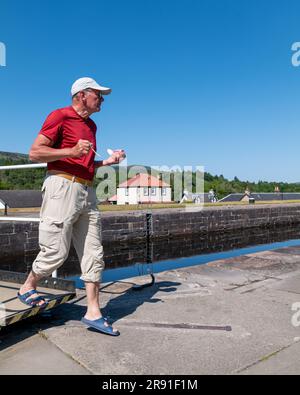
(50,233)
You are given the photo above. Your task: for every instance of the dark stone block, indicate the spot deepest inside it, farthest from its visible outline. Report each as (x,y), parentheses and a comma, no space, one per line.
(6,228)
(4,241)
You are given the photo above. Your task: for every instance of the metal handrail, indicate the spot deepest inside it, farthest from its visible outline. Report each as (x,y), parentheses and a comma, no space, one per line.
(30,166)
(19,219)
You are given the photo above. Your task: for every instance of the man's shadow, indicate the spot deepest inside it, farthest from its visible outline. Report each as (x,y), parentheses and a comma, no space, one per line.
(128,302)
(118,307)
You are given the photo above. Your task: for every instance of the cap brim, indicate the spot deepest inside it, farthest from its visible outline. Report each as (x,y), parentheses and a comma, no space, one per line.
(104,90)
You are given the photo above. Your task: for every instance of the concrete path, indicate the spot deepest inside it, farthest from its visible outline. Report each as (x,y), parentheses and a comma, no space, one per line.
(36,355)
(232,316)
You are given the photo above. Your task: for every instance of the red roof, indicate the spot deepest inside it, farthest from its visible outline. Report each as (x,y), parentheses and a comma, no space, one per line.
(113,198)
(143,180)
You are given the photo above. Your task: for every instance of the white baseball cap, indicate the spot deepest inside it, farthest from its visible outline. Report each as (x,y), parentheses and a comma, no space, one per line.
(85,83)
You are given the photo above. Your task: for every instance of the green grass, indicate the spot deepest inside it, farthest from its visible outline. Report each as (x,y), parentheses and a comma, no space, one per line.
(129,207)
(132,207)
(177,205)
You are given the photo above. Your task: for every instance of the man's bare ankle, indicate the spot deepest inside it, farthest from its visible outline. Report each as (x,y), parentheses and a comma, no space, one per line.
(26,288)
(93,315)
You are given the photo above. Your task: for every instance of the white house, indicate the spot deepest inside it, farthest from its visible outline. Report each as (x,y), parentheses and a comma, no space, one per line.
(143,188)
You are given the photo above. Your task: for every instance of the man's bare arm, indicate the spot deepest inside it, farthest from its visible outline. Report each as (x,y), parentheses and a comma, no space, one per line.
(115,158)
(100,163)
(42,151)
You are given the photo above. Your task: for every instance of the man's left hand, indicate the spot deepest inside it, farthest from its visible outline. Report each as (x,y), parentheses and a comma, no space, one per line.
(116,157)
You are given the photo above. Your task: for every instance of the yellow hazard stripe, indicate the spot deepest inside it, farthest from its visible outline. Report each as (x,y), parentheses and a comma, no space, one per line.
(35,310)
(56,302)
(16,318)
(51,304)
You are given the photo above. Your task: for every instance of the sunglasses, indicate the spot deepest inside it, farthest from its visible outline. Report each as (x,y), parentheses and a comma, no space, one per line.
(97,93)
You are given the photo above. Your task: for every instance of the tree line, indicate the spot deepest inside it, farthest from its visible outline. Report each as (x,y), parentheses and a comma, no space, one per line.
(33,179)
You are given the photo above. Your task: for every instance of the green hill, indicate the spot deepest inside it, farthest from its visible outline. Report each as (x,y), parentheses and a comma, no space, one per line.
(19,179)
(12,156)
(33,179)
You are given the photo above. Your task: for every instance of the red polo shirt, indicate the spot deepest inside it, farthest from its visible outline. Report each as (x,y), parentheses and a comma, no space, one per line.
(65,127)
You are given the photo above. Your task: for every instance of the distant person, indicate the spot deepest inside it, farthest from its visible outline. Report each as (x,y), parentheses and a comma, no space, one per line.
(212,196)
(67,142)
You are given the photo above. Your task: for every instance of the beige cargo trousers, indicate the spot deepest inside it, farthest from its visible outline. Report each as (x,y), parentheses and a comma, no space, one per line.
(69,212)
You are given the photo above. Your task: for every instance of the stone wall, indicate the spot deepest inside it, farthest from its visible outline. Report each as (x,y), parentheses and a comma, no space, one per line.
(19,241)
(170,223)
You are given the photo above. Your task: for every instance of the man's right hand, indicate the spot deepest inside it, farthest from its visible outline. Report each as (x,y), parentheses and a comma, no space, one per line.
(81,148)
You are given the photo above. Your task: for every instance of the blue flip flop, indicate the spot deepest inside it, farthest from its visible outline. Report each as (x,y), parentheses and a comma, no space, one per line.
(32,302)
(100,326)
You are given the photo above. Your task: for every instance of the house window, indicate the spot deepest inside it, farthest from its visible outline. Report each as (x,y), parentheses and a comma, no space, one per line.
(126,192)
(164,192)
(153,191)
(146,192)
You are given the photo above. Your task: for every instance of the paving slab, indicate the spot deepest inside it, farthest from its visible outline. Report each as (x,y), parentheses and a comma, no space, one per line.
(283,362)
(38,356)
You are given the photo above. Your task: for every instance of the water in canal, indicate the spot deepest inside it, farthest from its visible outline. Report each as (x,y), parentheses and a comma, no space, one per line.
(125,260)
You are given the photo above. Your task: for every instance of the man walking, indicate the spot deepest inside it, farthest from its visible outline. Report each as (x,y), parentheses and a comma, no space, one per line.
(67,142)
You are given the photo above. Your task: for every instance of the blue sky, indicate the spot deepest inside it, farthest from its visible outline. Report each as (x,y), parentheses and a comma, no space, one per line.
(195,82)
